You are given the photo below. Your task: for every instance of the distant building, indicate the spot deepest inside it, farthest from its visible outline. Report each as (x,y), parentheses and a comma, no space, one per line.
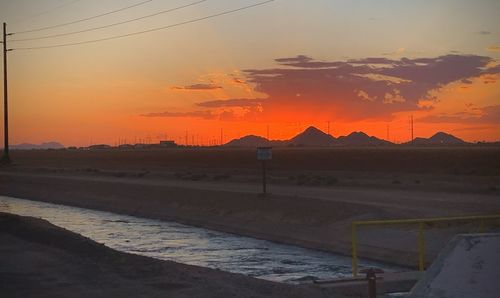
(126,146)
(99,147)
(168,144)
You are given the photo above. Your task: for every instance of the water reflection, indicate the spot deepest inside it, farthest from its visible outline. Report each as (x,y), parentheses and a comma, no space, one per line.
(189,245)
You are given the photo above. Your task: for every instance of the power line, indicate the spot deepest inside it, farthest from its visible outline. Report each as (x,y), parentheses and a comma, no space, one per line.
(111,25)
(55,8)
(38,14)
(150,30)
(50,10)
(84,19)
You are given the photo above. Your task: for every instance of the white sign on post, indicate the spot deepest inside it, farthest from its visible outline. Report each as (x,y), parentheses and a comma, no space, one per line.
(264,153)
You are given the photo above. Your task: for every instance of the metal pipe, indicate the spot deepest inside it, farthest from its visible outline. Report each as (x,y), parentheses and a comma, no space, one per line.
(427,220)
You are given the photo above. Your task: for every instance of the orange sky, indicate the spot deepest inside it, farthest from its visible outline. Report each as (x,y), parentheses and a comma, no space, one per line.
(242,76)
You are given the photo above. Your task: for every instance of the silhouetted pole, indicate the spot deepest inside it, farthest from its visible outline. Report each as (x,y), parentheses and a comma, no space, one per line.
(411,128)
(6,157)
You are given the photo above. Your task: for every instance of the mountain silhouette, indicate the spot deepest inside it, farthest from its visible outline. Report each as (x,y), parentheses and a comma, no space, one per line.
(440,138)
(312,137)
(28,146)
(359,138)
(248,141)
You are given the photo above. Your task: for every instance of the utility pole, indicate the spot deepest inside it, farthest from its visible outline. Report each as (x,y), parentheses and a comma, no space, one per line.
(388,139)
(221,136)
(328,127)
(5,157)
(268,132)
(411,120)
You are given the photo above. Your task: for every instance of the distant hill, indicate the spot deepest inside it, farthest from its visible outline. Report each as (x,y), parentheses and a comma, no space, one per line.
(440,138)
(248,141)
(312,137)
(360,139)
(28,146)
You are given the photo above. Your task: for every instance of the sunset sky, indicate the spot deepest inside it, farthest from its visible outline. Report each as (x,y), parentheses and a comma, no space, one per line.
(361,65)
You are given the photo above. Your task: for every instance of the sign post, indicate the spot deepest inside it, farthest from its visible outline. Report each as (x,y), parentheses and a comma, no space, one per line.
(264,154)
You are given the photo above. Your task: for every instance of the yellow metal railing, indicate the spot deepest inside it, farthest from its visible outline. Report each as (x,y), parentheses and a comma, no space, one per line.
(420,234)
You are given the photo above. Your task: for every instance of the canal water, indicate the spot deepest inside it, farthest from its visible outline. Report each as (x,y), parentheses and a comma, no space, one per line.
(190,245)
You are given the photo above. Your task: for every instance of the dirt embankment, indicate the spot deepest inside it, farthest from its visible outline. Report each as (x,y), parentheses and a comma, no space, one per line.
(38,259)
(310,217)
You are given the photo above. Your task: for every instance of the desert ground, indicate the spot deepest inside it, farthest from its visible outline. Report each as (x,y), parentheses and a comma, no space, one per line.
(314,193)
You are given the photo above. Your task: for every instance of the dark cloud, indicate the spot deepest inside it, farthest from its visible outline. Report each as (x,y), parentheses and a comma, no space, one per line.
(493,70)
(198,87)
(373,60)
(297,59)
(484,32)
(361,88)
(438,71)
(303,61)
(356,89)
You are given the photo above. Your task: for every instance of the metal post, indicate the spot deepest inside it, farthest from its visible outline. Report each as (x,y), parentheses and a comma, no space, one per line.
(354,243)
(372,284)
(482,228)
(421,247)
(264,180)
(6,157)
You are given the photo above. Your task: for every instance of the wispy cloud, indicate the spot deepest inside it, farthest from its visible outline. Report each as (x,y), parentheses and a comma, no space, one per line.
(193,114)
(246,114)
(230,103)
(484,32)
(197,87)
(493,48)
(485,115)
